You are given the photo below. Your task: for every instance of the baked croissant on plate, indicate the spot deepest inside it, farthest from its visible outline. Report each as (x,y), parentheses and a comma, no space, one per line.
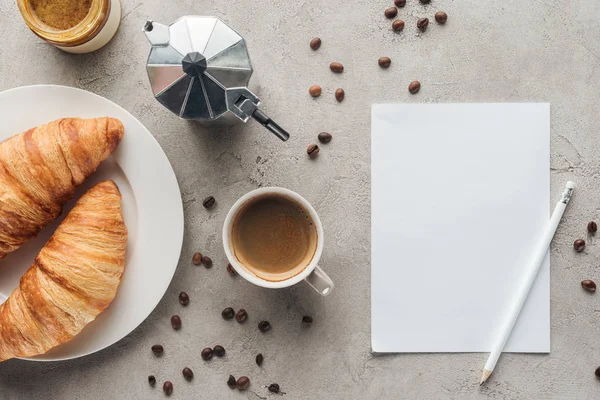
(72,280)
(40,168)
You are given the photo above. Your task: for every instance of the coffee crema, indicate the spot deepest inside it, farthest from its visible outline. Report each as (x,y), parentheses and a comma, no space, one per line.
(274,237)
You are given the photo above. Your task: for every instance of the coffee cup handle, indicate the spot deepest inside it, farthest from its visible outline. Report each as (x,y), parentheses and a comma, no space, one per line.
(320,281)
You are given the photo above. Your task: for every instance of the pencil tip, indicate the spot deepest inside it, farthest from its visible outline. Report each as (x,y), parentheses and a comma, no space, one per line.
(484,376)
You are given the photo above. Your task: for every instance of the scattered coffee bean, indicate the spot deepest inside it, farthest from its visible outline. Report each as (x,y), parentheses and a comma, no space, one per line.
(264,326)
(579,245)
(314,90)
(157,349)
(168,388)
(425,1)
(219,350)
(391,12)
(441,17)
(231,270)
(208,202)
(197,259)
(315,43)
(176,322)
(228,313)
(384,62)
(400,3)
(243,383)
(422,24)
(187,373)
(588,285)
(597,372)
(184,299)
(151,380)
(206,261)
(324,137)
(312,150)
(414,87)
(307,319)
(206,353)
(336,67)
(241,316)
(231,382)
(273,388)
(398,25)
(259,359)
(592,227)
(339,94)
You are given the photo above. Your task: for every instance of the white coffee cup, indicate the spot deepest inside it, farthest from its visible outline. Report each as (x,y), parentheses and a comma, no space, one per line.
(311,274)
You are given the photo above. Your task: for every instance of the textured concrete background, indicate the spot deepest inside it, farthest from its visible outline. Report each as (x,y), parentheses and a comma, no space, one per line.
(543,50)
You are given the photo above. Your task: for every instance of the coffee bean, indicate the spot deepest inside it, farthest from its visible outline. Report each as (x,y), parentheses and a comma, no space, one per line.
(187,373)
(422,24)
(219,351)
(264,326)
(157,349)
(398,25)
(243,383)
(384,62)
(391,12)
(206,353)
(314,90)
(425,1)
(206,261)
(579,245)
(597,372)
(259,359)
(241,316)
(336,67)
(324,137)
(312,150)
(414,87)
(588,285)
(339,94)
(227,313)
(307,319)
(176,322)
(168,388)
(197,259)
(184,299)
(231,382)
(441,17)
(273,388)
(208,202)
(592,227)
(400,3)
(315,43)
(231,270)
(151,380)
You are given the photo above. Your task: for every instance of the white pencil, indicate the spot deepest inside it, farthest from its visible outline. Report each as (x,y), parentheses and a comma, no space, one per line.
(531,272)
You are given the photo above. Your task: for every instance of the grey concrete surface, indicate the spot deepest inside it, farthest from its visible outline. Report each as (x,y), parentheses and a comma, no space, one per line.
(543,50)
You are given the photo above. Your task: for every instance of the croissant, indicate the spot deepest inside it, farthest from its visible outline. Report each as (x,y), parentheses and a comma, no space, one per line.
(72,280)
(40,168)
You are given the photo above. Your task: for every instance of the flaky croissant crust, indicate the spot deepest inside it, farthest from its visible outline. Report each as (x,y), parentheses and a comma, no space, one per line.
(40,169)
(72,280)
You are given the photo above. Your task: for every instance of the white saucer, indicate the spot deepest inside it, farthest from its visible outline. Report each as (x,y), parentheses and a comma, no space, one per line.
(152,210)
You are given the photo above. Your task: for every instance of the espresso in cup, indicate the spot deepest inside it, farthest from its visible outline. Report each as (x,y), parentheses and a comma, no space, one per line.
(273,237)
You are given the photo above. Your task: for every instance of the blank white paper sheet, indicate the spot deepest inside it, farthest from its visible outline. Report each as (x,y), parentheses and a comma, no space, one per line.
(459,196)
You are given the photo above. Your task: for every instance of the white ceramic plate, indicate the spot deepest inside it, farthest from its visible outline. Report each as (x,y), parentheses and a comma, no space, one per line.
(152,210)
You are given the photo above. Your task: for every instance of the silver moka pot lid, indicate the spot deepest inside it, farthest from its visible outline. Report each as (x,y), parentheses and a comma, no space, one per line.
(199,68)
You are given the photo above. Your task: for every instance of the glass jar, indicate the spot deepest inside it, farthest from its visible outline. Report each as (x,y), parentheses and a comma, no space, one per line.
(89,34)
